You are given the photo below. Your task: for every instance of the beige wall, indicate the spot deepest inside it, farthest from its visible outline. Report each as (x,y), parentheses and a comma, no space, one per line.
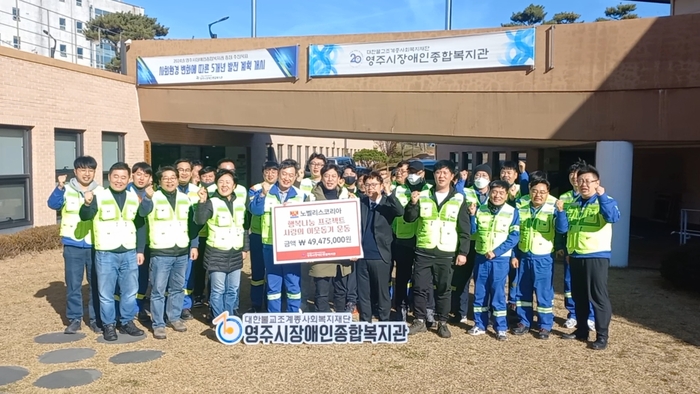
(41,94)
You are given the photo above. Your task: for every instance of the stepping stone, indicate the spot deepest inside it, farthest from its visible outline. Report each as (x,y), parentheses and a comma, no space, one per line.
(135,357)
(66,356)
(68,378)
(12,374)
(121,339)
(59,337)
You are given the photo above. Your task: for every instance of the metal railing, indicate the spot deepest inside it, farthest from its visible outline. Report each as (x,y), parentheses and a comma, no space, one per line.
(684,233)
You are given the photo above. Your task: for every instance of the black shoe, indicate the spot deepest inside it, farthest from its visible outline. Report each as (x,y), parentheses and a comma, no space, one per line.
(130,329)
(110,334)
(443,331)
(144,317)
(417,326)
(186,314)
(599,344)
(543,334)
(95,328)
(73,327)
(575,336)
(198,302)
(520,329)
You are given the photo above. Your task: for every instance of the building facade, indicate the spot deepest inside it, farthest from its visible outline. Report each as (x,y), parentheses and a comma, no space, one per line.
(36,26)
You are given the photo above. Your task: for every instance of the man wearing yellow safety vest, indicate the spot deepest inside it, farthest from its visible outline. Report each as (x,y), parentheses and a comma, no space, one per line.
(442,239)
(115,223)
(173,240)
(403,250)
(497,228)
(184,171)
(257,263)
(207,180)
(542,217)
(475,194)
(224,214)
(76,237)
(568,198)
(262,203)
(589,243)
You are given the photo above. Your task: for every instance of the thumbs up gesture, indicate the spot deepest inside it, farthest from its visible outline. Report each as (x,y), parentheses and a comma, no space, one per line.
(88,197)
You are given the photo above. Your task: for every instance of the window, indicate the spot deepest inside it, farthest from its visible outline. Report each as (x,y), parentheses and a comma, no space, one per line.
(16,42)
(79,26)
(454,158)
(99,12)
(307,152)
(79,3)
(289,151)
(280,147)
(499,158)
(112,152)
(313,152)
(62,49)
(105,52)
(467,161)
(68,145)
(299,153)
(15,200)
(15,13)
(482,158)
(62,23)
(80,53)
(326,151)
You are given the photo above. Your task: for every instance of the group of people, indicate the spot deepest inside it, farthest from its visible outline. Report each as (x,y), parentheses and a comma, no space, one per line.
(198,225)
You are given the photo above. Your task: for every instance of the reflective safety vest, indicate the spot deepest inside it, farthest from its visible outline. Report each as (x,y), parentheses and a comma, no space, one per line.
(588,231)
(492,229)
(344,195)
(226,230)
(71,225)
(472,198)
(537,232)
(255,220)
(192,193)
(524,201)
(306,185)
(517,192)
(438,229)
(211,189)
(272,201)
(114,228)
(167,228)
(401,228)
(567,198)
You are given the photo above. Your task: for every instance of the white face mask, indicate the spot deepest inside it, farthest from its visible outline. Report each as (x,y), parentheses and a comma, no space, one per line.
(414,179)
(481,183)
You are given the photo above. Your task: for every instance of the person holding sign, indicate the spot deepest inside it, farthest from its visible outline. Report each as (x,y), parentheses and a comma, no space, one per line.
(261,204)
(442,238)
(497,227)
(224,215)
(335,274)
(379,208)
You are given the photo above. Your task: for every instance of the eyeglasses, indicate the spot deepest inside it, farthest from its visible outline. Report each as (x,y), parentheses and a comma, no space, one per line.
(170,178)
(586,181)
(184,170)
(372,184)
(316,164)
(538,193)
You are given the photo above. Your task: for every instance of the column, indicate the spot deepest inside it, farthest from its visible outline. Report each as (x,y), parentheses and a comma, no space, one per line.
(614,162)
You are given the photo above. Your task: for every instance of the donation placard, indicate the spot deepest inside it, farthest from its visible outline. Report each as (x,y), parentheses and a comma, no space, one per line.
(317,231)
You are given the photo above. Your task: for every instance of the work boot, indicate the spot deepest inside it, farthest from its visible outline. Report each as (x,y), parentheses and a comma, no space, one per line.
(543,334)
(130,329)
(144,317)
(574,335)
(186,314)
(599,344)
(520,329)
(178,326)
(95,328)
(110,334)
(159,333)
(443,331)
(73,327)
(198,302)
(417,326)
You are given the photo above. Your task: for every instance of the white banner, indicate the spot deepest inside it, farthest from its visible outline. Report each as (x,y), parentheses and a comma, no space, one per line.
(513,48)
(256,64)
(317,231)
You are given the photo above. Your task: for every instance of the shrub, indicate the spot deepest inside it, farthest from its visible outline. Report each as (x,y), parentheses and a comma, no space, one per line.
(681,267)
(36,239)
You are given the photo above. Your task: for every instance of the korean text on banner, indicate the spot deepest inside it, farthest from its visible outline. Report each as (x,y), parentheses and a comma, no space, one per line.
(319,231)
(256,64)
(513,48)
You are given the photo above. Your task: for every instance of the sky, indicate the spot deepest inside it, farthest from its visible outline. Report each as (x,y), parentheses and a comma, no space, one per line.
(187,19)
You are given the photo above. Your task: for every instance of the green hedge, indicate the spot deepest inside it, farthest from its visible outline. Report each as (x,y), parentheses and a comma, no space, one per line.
(36,239)
(681,267)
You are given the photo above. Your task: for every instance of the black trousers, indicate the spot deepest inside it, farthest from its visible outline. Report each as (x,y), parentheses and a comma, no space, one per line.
(373,283)
(429,271)
(403,256)
(589,283)
(200,274)
(340,289)
(460,284)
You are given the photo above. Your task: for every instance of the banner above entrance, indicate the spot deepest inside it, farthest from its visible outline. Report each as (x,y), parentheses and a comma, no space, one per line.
(256,64)
(513,48)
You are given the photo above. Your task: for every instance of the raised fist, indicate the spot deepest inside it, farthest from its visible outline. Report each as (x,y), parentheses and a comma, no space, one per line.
(265,189)
(88,197)
(61,180)
(560,205)
(521,166)
(464,175)
(149,191)
(600,190)
(415,196)
(472,209)
(203,195)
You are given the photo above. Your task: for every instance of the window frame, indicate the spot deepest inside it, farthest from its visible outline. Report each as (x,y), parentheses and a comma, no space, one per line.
(290,151)
(79,26)
(15,14)
(17,42)
(21,179)
(63,50)
(62,23)
(79,3)
(121,155)
(79,53)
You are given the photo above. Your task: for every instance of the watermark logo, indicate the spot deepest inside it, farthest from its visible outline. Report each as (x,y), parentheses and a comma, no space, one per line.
(229,329)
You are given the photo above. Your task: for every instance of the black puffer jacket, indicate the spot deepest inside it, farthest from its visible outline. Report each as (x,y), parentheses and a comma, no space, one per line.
(216,260)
